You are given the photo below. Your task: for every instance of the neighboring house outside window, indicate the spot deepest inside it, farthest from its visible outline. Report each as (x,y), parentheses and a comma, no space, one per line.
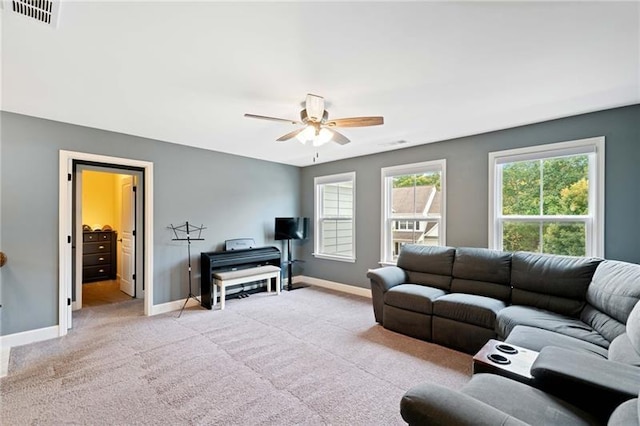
(548,198)
(413,207)
(335,217)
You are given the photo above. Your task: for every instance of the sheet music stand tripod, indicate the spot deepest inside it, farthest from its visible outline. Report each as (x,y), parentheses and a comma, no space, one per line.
(187,229)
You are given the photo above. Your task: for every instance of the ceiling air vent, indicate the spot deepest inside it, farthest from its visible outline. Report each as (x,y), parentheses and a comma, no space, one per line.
(45,11)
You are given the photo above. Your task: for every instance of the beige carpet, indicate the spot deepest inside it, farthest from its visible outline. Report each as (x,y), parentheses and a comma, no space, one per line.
(309,356)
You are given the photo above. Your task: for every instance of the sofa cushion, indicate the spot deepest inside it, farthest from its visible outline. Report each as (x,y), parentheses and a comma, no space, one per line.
(612,294)
(413,297)
(483,272)
(468,308)
(514,315)
(461,336)
(621,350)
(551,282)
(427,265)
(409,323)
(626,414)
(537,338)
(633,327)
(510,396)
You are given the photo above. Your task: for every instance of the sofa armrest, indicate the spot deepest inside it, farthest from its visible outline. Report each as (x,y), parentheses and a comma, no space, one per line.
(585,380)
(387,277)
(431,404)
(382,279)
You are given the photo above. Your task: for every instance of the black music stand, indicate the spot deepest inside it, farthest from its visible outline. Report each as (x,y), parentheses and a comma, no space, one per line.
(186,229)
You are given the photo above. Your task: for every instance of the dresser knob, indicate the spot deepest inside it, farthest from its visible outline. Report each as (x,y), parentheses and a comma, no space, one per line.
(100,247)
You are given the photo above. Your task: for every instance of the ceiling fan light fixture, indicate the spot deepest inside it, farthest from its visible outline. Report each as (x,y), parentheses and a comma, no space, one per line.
(307,135)
(323,137)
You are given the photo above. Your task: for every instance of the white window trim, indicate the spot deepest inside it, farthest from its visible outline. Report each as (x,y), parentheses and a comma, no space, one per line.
(323,180)
(594,246)
(406,169)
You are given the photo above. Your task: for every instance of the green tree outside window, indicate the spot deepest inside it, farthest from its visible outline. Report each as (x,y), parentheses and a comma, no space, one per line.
(549,187)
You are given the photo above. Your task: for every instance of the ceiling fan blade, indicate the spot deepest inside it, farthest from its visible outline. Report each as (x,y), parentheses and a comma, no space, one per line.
(290,135)
(264,117)
(315,107)
(339,138)
(355,122)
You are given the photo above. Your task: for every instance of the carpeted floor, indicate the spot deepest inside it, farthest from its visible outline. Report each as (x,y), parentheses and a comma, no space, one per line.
(310,356)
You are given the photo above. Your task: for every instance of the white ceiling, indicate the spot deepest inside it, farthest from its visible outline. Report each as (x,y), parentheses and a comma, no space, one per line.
(187,72)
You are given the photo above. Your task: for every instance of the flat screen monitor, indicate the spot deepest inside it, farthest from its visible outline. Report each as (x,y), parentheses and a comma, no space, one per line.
(292,228)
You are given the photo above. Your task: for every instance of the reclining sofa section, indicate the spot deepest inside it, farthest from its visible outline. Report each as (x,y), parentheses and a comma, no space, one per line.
(462,297)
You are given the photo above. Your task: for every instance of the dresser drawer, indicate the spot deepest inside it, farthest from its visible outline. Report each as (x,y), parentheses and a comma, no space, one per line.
(89,237)
(101,247)
(96,259)
(94,273)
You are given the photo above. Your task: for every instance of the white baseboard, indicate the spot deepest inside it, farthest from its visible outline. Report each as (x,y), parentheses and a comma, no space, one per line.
(23,338)
(332,285)
(4,361)
(175,305)
(30,336)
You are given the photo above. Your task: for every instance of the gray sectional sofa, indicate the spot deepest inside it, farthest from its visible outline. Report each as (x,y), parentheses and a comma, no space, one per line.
(462,297)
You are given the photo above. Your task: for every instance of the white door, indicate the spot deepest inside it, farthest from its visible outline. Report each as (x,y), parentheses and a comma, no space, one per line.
(127,237)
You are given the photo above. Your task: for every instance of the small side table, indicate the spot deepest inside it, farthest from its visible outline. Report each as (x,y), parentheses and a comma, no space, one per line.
(505,360)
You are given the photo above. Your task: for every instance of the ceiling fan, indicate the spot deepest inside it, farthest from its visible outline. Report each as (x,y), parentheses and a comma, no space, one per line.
(317,128)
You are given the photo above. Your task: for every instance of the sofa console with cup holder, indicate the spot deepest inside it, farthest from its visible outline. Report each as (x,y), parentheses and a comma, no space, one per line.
(506,360)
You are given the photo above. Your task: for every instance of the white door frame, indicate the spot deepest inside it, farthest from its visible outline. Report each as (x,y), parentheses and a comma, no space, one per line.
(65,281)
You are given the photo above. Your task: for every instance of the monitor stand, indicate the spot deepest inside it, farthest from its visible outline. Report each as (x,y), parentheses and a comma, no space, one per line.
(290,263)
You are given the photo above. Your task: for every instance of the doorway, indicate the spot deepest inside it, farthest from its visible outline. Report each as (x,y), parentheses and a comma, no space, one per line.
(105,219)
(68,245)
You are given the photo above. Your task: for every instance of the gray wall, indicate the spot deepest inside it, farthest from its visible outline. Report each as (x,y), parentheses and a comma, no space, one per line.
(205,187)
(467,187)
(232,196)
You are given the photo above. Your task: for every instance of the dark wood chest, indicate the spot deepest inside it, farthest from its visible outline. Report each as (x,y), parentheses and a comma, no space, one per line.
(99,255)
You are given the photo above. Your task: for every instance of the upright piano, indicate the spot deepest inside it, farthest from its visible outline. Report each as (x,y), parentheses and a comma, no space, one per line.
(229,260)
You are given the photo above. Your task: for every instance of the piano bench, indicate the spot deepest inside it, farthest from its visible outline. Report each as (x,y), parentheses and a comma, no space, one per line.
(240,276)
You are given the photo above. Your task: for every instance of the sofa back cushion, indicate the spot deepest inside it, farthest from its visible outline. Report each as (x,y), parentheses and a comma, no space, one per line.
(633,328)
(483,272)
(612,294)
(427,265)
(551,282)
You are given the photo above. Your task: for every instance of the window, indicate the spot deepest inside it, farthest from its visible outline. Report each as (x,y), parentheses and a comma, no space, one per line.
(413,207)
(335,217)
(548,198)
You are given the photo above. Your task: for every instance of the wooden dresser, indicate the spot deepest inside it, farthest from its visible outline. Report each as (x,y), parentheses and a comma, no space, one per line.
(99,256)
